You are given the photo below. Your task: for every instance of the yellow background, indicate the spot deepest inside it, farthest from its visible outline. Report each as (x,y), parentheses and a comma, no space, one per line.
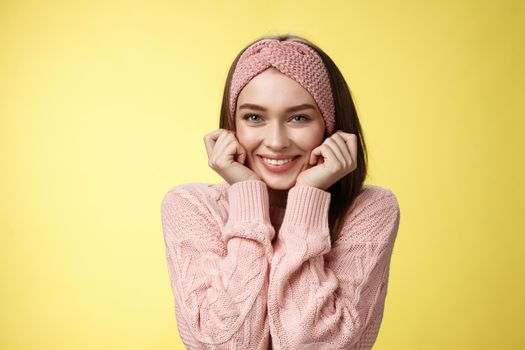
(103,107)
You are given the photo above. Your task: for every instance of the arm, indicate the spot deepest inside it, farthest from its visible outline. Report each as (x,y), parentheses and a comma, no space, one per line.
(219,276)
(327,297)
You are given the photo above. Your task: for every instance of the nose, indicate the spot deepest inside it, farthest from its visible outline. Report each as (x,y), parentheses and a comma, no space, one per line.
(276,137)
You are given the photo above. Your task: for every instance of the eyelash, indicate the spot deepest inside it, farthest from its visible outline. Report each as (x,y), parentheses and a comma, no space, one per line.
(246,117)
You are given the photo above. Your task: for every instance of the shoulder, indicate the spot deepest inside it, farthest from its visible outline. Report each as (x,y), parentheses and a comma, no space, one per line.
(200,198)
(191,207)
(198,191)
(374,215)
(373,196)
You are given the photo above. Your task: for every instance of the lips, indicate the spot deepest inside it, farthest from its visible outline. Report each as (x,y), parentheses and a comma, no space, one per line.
(279,168)
(269,156)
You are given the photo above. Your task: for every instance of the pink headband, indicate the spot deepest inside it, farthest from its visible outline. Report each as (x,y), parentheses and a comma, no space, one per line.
(298,61)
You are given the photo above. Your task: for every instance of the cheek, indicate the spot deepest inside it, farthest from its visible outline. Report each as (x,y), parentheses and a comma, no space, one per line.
(309,146)
(308,143)
(246,139)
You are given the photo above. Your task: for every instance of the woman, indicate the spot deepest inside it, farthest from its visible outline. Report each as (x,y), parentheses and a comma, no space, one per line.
(292,250)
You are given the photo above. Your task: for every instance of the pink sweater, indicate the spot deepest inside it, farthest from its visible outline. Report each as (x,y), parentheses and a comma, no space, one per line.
(245,275)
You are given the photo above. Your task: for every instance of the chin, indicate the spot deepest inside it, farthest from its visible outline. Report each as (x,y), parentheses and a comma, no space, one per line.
(276,181)
(276,184)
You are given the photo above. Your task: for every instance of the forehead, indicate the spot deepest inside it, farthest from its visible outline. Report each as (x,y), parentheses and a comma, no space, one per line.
(272,87)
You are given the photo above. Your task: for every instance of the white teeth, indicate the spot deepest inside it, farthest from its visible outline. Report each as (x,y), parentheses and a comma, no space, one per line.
(277,162)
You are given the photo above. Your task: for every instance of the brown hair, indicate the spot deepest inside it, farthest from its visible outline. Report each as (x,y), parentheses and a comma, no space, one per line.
(344,191)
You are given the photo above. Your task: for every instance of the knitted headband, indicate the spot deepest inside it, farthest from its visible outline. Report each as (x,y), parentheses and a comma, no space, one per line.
(298,61)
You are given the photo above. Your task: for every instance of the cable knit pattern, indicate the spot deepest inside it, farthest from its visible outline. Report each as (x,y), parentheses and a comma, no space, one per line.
(248,276)
(292,58)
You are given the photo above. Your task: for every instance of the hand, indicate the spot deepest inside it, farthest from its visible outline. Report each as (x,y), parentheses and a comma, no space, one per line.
(222,146)
(333,159)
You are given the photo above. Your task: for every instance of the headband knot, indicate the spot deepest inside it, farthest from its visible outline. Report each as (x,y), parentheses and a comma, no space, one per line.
(294,59)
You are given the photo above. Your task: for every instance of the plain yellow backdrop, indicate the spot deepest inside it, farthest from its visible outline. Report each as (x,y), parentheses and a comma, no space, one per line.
(103,107)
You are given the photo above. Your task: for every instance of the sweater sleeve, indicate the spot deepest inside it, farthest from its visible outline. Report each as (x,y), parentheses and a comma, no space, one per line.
(324,297)
(219,275)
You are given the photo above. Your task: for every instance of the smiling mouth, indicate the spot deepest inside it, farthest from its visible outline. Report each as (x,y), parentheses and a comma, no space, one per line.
(273,161)
(278,165)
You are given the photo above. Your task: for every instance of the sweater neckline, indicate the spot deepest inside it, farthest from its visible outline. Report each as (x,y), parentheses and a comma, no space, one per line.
(277,215)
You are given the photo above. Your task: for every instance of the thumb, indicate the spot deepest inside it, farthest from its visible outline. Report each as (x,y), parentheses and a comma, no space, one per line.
(313,156)
(312,159)
(242,158)
(242,155)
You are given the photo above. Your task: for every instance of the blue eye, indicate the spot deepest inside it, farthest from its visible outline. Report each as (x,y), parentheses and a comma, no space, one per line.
(301,116)
(247,117)
(257,118)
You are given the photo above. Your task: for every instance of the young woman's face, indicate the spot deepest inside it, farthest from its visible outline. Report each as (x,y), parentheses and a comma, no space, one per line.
(266,126)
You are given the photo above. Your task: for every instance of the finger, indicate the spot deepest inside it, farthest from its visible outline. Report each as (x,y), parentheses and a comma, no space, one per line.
(217,153)
(351,141)
(314,155)
(210,140)
(242,158)
(236,152)
(334,146)
(329,156)
(209,143)
(222,147)
(229,152)
(345,135)
(214,135)
(241,152)
(352,145)
(325,153)
(343,147)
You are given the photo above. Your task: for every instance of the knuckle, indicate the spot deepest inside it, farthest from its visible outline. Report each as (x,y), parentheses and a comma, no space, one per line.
(335,166)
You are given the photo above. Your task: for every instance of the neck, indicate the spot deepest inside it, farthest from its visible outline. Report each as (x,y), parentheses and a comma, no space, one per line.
(277,198)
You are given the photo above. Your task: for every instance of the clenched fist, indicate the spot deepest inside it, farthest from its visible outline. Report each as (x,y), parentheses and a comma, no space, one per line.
(333,159)
(226,156)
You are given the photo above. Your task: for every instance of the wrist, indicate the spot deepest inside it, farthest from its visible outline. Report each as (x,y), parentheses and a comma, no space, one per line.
(248,201)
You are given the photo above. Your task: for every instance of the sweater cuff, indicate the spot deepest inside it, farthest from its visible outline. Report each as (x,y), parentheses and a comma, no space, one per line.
(248,202)
(307,206)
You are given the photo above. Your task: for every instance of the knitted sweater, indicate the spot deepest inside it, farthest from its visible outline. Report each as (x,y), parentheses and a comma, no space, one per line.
(245,275)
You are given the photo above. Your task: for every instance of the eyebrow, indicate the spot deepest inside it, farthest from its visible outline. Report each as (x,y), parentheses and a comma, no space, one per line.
(291,109)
